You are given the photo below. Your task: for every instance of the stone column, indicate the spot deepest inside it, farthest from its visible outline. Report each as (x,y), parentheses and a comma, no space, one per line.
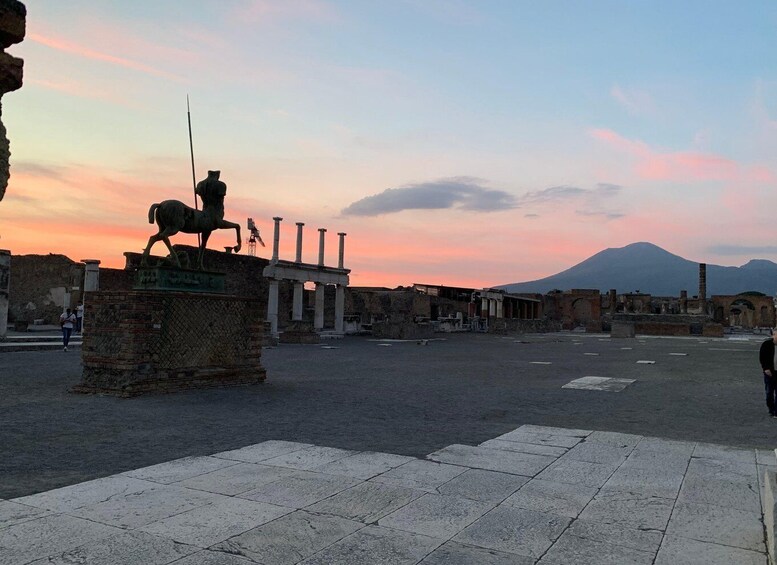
(683,302)
(483,307)
(296,307)
(341,253)
(499,308)
(299,245)
(703,287)
(272,306)
(318,322)
(321,232)
(276,239)
(613,299)
(5,285)
(491,308)
(91,275)
(339,308)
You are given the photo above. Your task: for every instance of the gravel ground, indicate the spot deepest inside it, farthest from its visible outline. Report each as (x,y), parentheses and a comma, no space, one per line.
(400,398)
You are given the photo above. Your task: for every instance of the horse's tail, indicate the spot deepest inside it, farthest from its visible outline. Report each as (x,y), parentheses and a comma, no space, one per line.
(152,213)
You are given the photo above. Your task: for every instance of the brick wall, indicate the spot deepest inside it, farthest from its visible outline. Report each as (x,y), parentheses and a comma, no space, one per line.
(142,341)
(38,286)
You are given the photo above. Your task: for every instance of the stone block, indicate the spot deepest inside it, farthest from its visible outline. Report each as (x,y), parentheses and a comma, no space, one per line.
(515,530)
(69,498)
(577,473)
(436,515)
(289,539)
(364,465)
(622,329)
(652,481)
(720,492)
(262,451)
(420,475)
(683,551)
(556,498)
(770,512)
(716,524)
(214,558)
(669,460)
(12,513)
(300,489)
(724,453)
(572,432)
(512,462)
(539,438)
(524,447)
(573,550)
(309,458)
(598,453)
(615,439)
(366,502)
(179,469)
(453,553)
(617,534)
(629,509)
(236,479)
(485,486)
(376,546)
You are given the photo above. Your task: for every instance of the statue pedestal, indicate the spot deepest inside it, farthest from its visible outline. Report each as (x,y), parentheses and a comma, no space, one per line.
(173,278)
(138,342)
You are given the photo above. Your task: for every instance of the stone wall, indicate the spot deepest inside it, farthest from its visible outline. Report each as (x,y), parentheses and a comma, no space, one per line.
(137,342)
(40,285)
(513,325)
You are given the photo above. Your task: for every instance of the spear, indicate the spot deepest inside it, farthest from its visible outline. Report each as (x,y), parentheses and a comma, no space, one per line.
(191,150)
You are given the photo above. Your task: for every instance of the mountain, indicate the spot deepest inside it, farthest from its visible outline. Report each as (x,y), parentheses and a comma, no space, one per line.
(648,268)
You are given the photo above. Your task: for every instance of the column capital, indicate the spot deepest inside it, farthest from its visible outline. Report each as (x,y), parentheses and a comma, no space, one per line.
(322,229)
(277,218)
(300,223)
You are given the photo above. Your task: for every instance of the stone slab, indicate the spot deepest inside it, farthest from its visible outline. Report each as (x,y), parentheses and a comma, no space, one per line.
(598,453)
(615,439)
(436,515)
(651,481)
(211,524)
(366,502)
(214,558)
(571,432)
(49,535)
(769,504)
(137,509)
(516,463)
(648,459)
(125,547)
(731,494)
(237,478)
(364,465)
(515,530)
(573,550)
(617,534)
(555,440)
(179,469)
(765,457)
(723,470)
(12,513)
(716,524)
(377,546)
(69,498)
(577,472)
(301,489)
(629,509)
(289,539)
(309,458)
(557,498)
(682,551)
(420,474)
(485,486)
(603,384)
(262,451)
(724,452)
(453,553)
(524,447)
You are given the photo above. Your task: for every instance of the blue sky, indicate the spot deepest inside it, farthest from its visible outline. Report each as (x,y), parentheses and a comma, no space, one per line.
(456,142)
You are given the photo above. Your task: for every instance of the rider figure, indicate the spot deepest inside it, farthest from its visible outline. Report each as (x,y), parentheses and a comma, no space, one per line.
(212,192)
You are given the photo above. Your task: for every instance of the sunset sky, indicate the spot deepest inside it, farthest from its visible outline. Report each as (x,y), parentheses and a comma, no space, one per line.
(459,143)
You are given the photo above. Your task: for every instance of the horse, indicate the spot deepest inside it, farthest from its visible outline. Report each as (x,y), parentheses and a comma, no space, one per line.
(173,216)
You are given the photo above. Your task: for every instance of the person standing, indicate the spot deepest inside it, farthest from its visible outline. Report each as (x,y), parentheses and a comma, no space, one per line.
(768,357)
(67,321)
(79,317)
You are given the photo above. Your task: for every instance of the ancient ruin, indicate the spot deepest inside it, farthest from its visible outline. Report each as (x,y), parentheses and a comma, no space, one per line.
(12,28)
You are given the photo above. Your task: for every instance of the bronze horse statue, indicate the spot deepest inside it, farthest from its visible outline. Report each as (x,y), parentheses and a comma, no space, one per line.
(173,216)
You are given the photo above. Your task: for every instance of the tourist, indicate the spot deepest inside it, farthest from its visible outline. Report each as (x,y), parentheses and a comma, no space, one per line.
(79,317)
(67,320)
(767,358)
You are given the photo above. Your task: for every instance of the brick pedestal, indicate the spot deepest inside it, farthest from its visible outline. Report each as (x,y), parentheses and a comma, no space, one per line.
(137,342)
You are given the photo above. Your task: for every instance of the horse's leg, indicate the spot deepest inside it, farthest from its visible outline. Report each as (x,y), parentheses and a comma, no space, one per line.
(151,241)
(225,225)
(164,235)
(205,237)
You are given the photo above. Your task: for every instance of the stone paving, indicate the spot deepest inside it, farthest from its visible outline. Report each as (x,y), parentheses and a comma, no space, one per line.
(535,495)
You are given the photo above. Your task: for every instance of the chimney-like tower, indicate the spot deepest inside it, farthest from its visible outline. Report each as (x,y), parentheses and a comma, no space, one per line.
(703,281)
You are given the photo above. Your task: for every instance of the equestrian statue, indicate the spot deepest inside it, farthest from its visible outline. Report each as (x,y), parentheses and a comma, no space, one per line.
(173,216)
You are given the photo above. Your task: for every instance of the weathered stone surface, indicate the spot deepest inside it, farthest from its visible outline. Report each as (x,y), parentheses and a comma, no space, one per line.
(513,462)
(136,509)
(662,445)
(577,472)
(652,481)
(645,459)
(236,479)
(301,489)
(524,447)
(366,502)
(179,469)
(12,513)
(598,453)
(262,451)
(309,458)
(214,523)
(453,553)
(126,547)
(376,546)
(208,557)
(364,465)
(724,452)
(724,470)
(765,457)
(557,498)
(617,534)
(486,486)
(515,530)
(615,439)
(683,551)
(421,475)
(289,539)
(573,550)
(730,494)
(540,438)
(768,479)
(716,524)
(69,498)
(49,535)
(532,429)
(629,509)
(436,515)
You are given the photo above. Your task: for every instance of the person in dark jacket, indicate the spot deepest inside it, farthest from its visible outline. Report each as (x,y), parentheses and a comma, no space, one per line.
(767,358)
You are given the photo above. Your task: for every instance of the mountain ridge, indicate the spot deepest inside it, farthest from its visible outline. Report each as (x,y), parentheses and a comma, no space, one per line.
(649,268)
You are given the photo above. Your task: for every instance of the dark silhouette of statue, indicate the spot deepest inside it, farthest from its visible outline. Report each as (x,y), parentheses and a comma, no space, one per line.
(173,216)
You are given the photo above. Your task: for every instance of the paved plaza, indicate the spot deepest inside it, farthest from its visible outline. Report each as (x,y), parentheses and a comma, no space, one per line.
(471,449)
